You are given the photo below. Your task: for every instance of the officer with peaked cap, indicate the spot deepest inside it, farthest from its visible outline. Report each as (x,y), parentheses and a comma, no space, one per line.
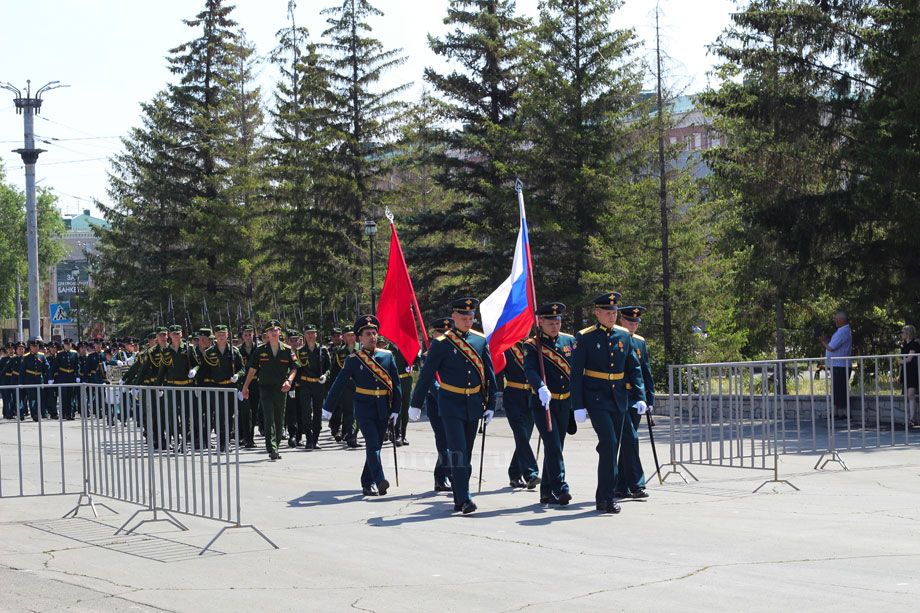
(442,466)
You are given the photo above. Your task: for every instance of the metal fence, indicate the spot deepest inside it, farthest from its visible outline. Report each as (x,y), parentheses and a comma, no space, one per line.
(745,414)
(170,450)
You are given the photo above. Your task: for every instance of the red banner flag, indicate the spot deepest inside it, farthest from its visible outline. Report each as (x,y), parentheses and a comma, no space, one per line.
(397,322)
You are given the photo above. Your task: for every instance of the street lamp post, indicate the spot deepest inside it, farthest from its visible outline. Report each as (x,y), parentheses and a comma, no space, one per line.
(370,228)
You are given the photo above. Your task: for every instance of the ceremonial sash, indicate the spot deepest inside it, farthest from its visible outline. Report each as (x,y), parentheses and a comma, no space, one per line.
(468,352)
(376,369)
(518,355)
(557,360)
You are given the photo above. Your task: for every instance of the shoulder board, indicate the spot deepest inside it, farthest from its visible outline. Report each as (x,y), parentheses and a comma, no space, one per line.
(566,335)
(636,336)
(588,329)
(384,351)
(477,333)
(530,341)
(284,345)
(440,338)
(621,329)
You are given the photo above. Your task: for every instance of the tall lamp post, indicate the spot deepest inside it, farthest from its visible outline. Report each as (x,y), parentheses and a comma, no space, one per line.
(75,275)
(370,228)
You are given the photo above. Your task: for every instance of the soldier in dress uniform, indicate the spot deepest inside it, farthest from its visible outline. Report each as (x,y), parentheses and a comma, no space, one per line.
(177,371)
(523,470)
(314,364)
(50,394)
(248,408)
(292,421)
(221,366)
(442,465)
(65,370)
(33,371)
(342,422)
(552,397)
(405,382)
(603,362)
(11,374)
(460,357)
(276,369)
(630,476)
(6,354)
(377,399)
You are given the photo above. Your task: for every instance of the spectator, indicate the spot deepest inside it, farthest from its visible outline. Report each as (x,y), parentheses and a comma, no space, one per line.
(837,350)
(909,371)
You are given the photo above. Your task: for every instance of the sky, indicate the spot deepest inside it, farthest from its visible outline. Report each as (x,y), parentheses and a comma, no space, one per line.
(112,55)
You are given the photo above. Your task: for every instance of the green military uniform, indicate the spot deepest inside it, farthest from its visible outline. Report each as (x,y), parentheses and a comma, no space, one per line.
(630,475)
(342,423)
(313,366)
(273,367)
(248,408)
(220,369)
(174,371)
(151,404)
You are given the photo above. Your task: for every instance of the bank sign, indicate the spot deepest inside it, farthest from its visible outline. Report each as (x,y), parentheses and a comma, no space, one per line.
(67,281)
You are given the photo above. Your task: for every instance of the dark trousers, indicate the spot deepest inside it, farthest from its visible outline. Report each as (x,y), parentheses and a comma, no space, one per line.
(630,476)
(273,401)
(405,383)
(292,417)
(68,400)
(442,466)
(248,409)
(310,414)
(9,400)
(373,431)
(553,481)
(523,462)
(30,402)
(461,435)
(343,415)
(49,402)
(608,425)
(840,388)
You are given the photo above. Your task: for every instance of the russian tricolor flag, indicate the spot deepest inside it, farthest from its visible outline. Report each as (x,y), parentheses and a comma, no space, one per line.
(508,313)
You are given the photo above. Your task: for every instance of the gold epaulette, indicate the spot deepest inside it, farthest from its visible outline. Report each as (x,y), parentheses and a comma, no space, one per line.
(641,338)
(440,338)
(530,341)
(588,329)
(564,334)
(477,333)
(385,350)
(620,328)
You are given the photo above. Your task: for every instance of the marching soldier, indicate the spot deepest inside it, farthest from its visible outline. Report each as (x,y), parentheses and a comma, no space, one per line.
(64,370)
(552,397)
(248,407)
(147,375)
(377,399)
(523,470)
(291,407)
(630,476)
(313,370)
(32,371)
(6,354)
(603,362)
(50,394)
(460,357)
(11,376)
(405,382)
(221,366)
(442,466)
(177,371)
(342,423)
(276,369)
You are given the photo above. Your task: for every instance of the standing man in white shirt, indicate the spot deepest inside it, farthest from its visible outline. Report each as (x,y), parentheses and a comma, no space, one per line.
(837,351)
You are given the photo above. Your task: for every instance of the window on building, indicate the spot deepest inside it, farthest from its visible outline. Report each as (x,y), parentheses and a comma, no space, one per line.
(697,141)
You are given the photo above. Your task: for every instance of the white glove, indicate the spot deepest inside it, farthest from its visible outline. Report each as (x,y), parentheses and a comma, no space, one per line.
(50,381)
(234,378)
(78,379)
(327,415)
(160,393)
(192,373)
(394,417)
(487,416)
(322,379)
(291,394)
(581,415)
(545,396)
(415,413)
(239,396)
(408,369)
(120,363)
(641,407)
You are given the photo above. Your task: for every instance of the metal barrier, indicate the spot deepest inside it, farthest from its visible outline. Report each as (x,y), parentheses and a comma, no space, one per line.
(39,467)
(170,450)
(745,414)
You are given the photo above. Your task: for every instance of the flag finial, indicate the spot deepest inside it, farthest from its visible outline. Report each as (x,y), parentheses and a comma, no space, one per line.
(388,214)
(518,185)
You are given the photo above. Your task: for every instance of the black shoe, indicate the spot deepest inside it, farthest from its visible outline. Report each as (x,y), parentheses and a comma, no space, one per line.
(353,442)
(383,486)
(563,499)
(546,500)
(611,507)
(315,445)
(397,442)
(517,483)
(403,441)
(639,493)
(533,482)
(292,442)
(467,507)
(250,444)
(369,491)
(274,455)
(620,495)
(458,507)
(444,486)
(337,437)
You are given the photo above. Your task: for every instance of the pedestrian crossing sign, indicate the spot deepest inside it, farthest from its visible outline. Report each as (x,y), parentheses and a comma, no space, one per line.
(60,313)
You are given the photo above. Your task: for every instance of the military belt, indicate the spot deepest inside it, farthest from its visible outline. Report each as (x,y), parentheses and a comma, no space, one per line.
(516,385)
(368,392)
(309,379)
(610,376)
(65,369)
(466,391)
(405,374)
(32,372)
(186,382)
(561,396)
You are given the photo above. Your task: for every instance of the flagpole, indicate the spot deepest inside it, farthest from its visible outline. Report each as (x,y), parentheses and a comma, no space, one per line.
(519,188)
